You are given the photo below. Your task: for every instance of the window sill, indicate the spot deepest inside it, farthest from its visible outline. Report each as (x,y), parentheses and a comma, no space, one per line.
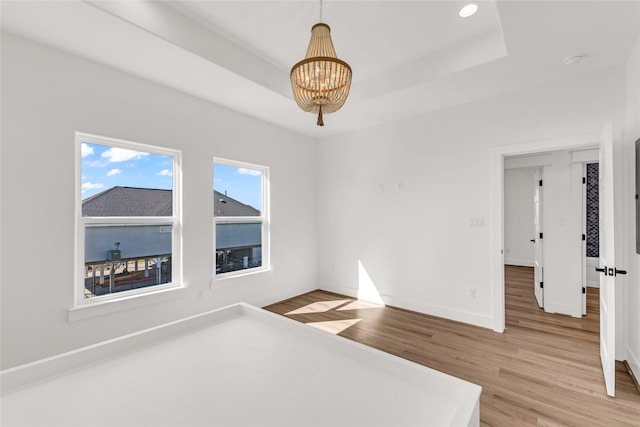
(90,310)
(241,273)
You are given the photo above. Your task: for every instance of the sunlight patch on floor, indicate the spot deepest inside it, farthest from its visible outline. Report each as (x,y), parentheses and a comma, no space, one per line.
(319,307)
(334,326)
(358,305)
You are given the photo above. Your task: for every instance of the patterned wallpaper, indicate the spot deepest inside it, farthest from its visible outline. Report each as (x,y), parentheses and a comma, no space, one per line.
(593,235)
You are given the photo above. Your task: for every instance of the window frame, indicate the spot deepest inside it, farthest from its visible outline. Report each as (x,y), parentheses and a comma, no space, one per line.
(82,221)
(263,218)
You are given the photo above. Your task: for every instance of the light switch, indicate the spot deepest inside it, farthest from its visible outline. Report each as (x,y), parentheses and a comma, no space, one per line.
(476,222)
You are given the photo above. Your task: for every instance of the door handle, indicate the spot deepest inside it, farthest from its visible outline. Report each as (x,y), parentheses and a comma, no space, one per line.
(610,271)
(532,240)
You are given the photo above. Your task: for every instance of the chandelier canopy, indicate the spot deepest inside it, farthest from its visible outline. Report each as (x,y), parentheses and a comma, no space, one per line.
(321,81)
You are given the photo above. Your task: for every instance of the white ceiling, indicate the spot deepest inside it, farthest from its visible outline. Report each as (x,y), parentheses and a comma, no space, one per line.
(408,57)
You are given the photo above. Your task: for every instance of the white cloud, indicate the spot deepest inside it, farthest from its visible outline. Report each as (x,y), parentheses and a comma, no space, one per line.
(113,172)
(116,155)
(90,186)
(94,164)
(165,172)
(252,172)
(85,149)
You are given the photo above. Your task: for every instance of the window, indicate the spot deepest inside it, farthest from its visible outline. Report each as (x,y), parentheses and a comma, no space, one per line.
(128,218)
(240,212)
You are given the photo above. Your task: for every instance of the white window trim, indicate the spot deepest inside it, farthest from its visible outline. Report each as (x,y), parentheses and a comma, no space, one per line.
(264,217)
(85,308)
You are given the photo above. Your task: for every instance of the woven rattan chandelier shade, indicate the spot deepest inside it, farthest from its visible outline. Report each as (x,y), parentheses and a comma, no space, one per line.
(321,81)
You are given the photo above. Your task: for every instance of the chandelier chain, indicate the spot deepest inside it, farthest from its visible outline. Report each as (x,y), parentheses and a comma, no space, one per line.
(320,11)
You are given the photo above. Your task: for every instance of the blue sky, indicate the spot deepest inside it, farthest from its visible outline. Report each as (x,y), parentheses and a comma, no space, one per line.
(241,184)
(104,167)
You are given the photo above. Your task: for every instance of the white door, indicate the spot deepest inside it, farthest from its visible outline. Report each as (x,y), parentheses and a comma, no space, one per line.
(584,238)
(538,279)
(607,261)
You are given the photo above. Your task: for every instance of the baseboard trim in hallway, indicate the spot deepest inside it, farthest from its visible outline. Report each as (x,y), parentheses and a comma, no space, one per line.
(633,377)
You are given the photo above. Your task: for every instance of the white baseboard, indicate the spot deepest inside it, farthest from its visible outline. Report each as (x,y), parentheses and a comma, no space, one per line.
(281,295)
(440,311)
(420,307)
(519,262)
(634,363)
(349,292)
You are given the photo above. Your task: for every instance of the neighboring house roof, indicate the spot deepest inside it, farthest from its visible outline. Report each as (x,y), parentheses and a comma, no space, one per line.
(227,206)
(132,201)
(129,201)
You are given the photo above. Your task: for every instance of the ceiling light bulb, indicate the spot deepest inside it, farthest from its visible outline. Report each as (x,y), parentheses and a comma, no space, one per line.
(468,10)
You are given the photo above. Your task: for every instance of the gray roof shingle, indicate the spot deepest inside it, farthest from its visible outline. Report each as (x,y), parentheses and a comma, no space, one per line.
(132,201)
(227,206)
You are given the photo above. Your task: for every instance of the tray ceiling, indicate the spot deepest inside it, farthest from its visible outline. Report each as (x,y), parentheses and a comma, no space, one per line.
(408,57)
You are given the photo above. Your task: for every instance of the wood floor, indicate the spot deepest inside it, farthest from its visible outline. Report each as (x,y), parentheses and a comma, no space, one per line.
(544,370)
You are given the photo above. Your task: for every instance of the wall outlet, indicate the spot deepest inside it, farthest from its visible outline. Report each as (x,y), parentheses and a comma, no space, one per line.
(471,292)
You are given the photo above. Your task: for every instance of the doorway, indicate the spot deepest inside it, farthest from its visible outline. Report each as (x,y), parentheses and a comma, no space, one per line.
(551,224)
(610,181)
(498,156)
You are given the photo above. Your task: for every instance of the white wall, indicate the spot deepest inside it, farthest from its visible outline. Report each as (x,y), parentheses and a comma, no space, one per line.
(518,216)
(632,133)
(593,277)
(413,238)
(47,95)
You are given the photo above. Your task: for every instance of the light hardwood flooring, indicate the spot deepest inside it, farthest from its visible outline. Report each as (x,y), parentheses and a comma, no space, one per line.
(544,370)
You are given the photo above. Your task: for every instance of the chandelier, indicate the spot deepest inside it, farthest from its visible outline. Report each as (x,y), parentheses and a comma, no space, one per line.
(321,81)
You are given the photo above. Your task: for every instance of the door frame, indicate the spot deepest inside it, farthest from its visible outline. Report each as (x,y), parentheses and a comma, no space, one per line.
(498,154)
(538,228)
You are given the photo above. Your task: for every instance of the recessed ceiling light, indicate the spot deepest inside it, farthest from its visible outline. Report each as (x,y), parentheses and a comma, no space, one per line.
(573,59)
(468,10)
